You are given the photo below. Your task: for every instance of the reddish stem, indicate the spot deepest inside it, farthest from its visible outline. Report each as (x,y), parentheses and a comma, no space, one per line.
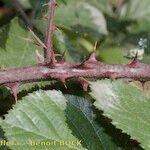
(66,71)
(49,53)
(62,70)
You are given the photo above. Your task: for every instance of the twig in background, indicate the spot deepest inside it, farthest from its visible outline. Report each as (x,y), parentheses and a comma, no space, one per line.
(22,12)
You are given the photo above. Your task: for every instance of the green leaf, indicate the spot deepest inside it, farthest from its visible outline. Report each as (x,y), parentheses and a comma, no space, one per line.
(81,14)
(25,3)
(81,119)
(19,51)
(127,106)
(76,20)
(136,10)
(4,30)
(141,26)
(63,44)
(39,117)
(80,17)
(34,85)
(113,55)
(103,5)
(146,58)
(2,139)
(4,92)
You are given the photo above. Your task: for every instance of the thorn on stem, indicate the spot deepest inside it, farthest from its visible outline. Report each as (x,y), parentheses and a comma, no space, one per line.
(62,59)
(63,54)
(45,16)
(113,76)
(55,3)
(13,87)
(84,83)
(40,58)
(39,42)
(88,62)
(64,83)
(56,28)
(95,47)
(92,58)
(143,84)
(135,63)
(45,4)
(49,3)
(59,58)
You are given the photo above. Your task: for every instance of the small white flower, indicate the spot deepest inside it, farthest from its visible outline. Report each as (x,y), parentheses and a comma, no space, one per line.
(139,51)
(133,52)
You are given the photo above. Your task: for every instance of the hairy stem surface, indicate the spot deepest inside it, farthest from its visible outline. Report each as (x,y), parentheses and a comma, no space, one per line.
(48,53)
(67,71)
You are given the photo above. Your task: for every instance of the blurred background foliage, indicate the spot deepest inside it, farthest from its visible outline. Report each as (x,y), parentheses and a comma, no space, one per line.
(116,26)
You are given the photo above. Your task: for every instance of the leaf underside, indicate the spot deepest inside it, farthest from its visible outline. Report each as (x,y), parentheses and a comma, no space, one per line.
(39,117)
(127,106)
